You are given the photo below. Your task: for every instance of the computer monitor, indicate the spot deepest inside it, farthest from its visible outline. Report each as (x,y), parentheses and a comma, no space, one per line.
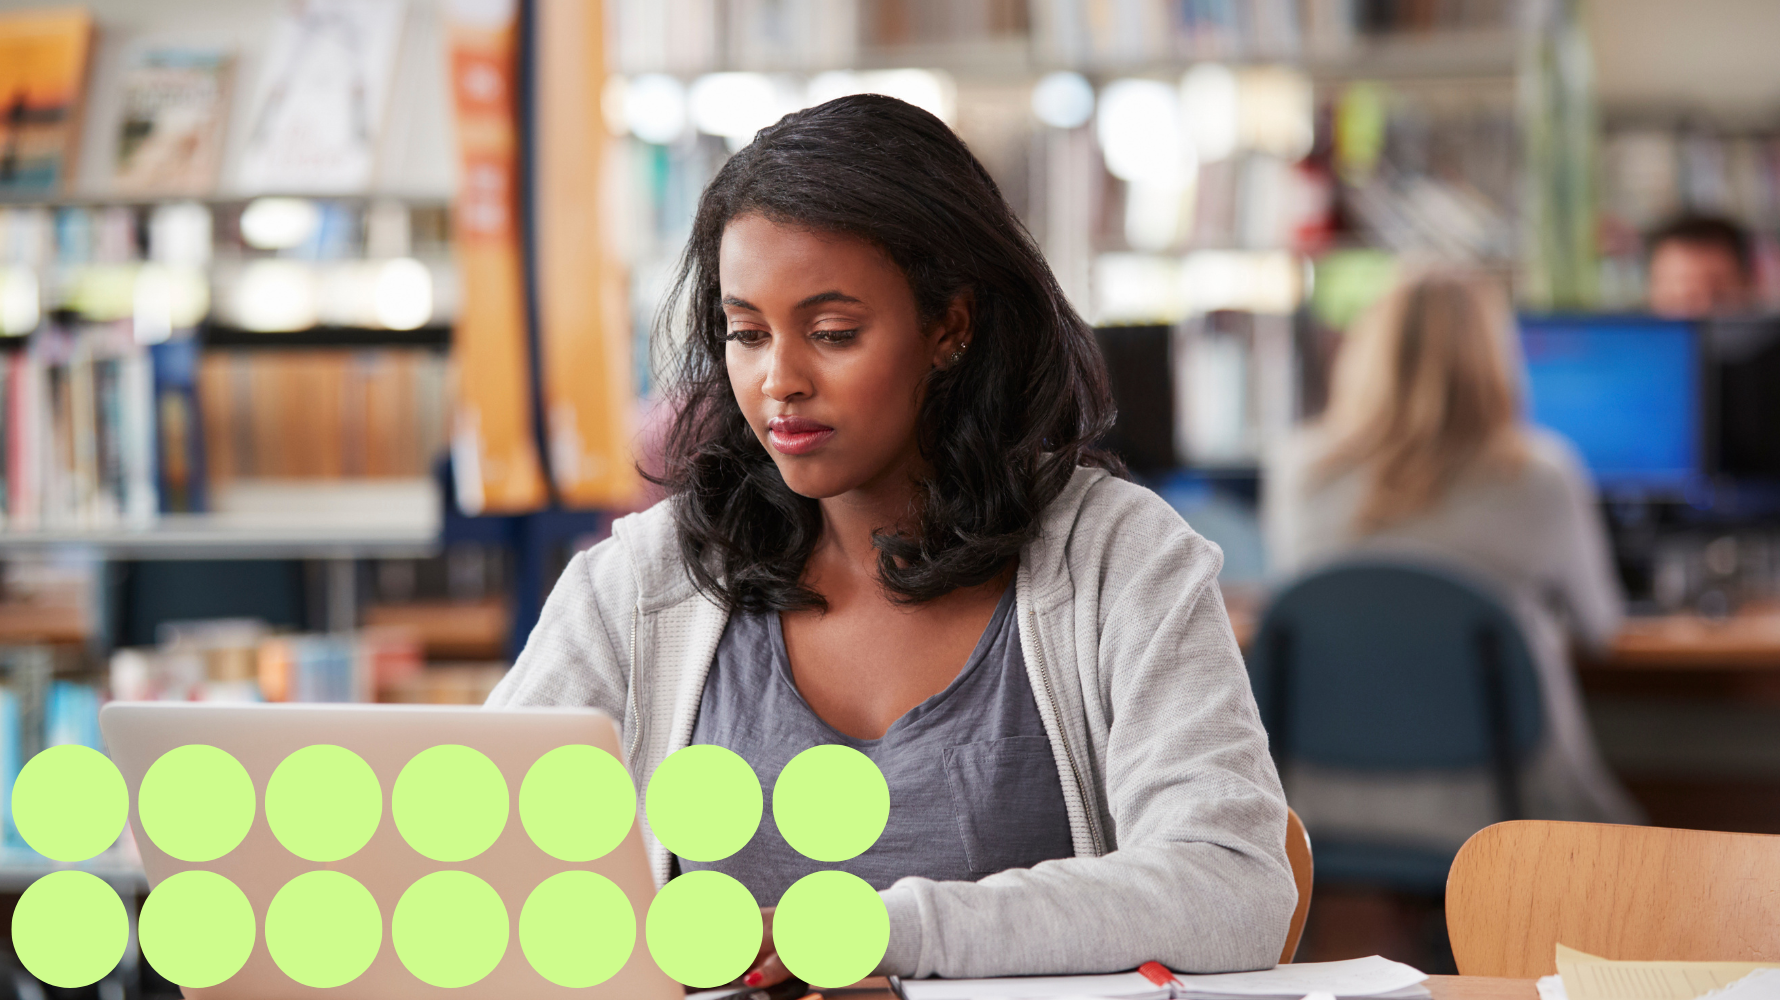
(1743,360)
(1625,390)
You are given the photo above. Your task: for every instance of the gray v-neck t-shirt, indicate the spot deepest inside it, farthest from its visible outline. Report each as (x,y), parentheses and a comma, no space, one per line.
(973,786)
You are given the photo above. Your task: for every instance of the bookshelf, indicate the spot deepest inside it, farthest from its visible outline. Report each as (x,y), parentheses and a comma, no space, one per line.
(362,519)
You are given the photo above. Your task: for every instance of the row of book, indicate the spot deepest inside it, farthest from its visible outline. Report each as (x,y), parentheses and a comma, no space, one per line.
(77,430)
(315,413)
(40,706)
(222,660)
(99,431)
(695,36)
(244,660)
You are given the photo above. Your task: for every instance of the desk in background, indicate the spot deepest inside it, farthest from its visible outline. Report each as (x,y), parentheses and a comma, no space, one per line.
(1749,641)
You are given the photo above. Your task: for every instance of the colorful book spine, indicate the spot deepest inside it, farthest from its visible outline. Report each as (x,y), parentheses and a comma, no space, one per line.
(583,323)
(494,452)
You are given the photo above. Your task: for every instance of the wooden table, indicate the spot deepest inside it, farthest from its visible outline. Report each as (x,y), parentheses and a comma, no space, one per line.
(1748,641)
(1745,642)
(1443,988)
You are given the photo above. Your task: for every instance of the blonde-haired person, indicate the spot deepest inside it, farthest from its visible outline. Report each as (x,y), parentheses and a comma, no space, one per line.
(1424,453)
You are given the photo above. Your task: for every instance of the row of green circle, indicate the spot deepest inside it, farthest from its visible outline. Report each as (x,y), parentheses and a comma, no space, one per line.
(449,929)
(323,803)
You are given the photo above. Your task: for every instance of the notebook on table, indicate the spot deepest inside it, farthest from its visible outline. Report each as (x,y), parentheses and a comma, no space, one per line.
(1371,978)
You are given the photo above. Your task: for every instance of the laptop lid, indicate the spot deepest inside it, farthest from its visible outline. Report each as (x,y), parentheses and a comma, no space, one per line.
(387,737)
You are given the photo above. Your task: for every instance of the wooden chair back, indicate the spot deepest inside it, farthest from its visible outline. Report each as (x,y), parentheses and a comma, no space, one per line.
(1303,873)
(1622,892)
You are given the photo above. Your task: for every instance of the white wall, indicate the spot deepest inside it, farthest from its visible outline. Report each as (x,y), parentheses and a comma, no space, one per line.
(1720,57)
(416,158)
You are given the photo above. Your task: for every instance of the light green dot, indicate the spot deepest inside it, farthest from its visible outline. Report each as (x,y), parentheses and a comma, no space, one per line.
(69,803)
(831,803)
(577,929)
(196,803)
(703,929)
(69,929)
(323,803)
(323,929)
(704,802)
(450,929)
(831,929)
(450,803)
(197,929)
(577,803)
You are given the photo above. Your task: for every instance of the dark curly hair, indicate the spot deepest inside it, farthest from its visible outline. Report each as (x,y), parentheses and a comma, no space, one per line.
(1001,432)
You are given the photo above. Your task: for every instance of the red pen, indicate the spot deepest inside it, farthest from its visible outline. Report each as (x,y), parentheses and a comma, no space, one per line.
(1157,973)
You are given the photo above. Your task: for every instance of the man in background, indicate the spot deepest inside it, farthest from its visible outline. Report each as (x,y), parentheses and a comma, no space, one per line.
(1700,265)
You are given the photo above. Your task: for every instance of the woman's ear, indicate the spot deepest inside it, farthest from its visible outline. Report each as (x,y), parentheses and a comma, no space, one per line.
(953,329)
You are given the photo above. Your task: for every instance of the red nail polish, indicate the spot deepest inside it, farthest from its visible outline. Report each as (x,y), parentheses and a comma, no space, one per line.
(753,979)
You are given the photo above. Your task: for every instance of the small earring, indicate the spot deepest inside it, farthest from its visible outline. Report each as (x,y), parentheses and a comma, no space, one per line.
(957,355)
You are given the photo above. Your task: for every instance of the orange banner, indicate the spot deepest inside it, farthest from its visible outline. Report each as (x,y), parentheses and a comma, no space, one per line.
(584,313)
(494,458)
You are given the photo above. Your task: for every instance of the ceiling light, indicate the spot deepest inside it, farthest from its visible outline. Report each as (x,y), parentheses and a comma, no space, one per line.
(1063,100)
(279,223)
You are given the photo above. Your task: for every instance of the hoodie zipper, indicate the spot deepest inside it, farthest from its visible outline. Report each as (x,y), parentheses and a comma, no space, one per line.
(636,711)
(1044,673)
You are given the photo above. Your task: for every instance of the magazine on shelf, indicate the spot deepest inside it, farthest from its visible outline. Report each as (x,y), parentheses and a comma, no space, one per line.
(321,100)
(170,126)
(43,68)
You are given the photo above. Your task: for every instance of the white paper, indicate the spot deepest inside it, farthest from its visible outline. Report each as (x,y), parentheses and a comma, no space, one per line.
(1371,978)
(1552,988)
(1357,977)
(1123,986)
(1762,984)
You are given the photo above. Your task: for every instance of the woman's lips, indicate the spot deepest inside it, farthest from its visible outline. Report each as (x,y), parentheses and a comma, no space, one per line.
(797,435)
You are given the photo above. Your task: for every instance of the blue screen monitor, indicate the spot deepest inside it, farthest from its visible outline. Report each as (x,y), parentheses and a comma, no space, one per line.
(1624,390)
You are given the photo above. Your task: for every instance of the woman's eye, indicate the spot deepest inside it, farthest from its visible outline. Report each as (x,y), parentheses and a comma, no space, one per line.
(834,336)
(746,337)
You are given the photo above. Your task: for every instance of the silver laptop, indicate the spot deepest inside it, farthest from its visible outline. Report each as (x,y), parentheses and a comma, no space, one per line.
(386,736)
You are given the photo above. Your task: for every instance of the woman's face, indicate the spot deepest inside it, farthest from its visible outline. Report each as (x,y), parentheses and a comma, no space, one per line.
(827,355)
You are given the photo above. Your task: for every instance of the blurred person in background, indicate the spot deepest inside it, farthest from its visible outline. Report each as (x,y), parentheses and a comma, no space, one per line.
(1700,265)
(1424,453)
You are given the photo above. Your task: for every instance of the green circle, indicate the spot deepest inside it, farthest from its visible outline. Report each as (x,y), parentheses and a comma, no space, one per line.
(69,929)
(704,803)
(69,803)
(831,929)
(196,929)
(831,803)
(196,802)
(449,929)
(704,929)
(577,929)
(323,803)
(449,802)
(577,803)
(323,929)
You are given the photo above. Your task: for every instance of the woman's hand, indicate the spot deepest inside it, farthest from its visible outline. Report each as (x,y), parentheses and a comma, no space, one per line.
(767,969)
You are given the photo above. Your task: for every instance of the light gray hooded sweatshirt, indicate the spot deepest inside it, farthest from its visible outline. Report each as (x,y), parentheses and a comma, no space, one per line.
(1175,808)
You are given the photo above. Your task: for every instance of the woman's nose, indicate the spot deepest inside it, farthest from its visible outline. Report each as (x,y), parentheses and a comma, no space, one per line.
(786,377)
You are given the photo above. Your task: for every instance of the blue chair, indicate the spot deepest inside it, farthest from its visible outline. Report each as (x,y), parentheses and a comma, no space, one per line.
(1395,666)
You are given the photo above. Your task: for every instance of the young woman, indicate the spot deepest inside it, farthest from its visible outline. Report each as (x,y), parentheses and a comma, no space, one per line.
(889,528)
(1424,452)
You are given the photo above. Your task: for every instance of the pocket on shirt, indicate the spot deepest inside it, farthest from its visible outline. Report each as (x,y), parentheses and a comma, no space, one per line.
(1009,802)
